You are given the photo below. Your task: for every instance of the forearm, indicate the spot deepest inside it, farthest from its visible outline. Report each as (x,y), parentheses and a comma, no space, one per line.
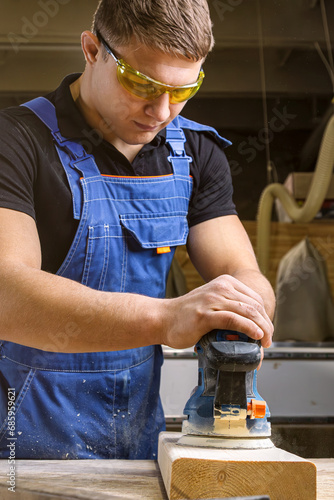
(53,313)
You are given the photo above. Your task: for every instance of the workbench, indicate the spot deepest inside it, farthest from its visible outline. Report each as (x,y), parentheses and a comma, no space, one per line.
(108,479)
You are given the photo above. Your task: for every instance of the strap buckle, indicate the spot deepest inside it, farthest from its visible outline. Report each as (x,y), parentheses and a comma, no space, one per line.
(74,149)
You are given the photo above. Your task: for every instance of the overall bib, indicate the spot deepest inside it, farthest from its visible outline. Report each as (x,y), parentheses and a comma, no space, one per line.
(105,404)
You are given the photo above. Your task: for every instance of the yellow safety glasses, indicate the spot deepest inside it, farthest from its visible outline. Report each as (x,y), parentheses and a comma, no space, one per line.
(145,87)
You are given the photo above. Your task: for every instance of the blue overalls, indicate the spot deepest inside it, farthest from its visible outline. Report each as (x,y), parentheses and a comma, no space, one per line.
(104,404)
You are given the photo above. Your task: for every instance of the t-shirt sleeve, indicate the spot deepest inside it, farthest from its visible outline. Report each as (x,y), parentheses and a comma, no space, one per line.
(212,182)
(17,165)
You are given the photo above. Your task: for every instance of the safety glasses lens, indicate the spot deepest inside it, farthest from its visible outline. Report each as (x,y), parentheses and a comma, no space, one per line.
(181,95)
(137,85)
(141,87)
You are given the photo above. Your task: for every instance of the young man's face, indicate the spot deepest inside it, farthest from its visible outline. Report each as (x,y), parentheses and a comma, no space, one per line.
(122,116)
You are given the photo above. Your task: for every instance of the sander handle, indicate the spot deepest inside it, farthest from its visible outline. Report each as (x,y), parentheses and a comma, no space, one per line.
(233,356)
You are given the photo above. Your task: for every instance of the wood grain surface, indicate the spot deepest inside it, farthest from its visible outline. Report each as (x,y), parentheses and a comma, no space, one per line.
(109,479)
(198,472)
(83,479)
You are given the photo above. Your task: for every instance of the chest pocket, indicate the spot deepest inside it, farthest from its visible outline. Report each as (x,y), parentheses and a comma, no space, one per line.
(124,258)
(146,268)
(156,230)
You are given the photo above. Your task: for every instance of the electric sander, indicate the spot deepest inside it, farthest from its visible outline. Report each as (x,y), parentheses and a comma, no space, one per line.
(225,410)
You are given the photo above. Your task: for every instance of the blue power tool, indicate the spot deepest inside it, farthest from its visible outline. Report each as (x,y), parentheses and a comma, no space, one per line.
(225,410)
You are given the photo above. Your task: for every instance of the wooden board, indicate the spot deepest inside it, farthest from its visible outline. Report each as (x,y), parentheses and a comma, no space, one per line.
(325,478)
(109,479)
(195,473)
(83,480)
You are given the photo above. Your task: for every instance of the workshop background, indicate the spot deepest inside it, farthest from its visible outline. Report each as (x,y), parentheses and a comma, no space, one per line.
(269,89)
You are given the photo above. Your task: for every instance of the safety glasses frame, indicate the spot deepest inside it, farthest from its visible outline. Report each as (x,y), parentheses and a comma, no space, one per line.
(159,88)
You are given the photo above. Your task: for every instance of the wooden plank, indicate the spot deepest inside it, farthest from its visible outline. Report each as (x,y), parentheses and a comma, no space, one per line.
(325,478)
(83,480)
(194,473)
(109,479)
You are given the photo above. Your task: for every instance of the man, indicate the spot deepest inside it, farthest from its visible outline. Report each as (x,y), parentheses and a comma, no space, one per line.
(99,183)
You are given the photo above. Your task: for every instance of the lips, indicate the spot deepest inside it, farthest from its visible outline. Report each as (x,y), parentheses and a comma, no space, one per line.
(147,128)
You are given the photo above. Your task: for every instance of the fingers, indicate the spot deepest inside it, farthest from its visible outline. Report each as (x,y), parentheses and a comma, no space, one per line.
(223,303)
(238,307)
(235,321)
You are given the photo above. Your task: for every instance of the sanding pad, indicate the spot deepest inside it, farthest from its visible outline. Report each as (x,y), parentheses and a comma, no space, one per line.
(225,443)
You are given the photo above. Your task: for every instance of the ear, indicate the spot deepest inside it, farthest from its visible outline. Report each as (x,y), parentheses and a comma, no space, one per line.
(90,46)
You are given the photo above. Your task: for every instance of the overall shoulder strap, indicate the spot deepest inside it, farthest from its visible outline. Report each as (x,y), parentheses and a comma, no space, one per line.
(175,139)
(198,127)
(46,112)
(76,162)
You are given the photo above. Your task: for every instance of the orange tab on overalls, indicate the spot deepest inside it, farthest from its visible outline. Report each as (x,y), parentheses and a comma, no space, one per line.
(163,250)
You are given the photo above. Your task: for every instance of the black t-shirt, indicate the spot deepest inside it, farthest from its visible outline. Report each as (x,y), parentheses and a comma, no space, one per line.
(33,181)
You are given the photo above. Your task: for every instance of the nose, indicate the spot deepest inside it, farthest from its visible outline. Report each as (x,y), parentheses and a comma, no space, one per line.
(159,108)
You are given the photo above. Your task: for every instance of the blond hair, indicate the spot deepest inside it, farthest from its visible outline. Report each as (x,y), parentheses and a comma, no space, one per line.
(178,27)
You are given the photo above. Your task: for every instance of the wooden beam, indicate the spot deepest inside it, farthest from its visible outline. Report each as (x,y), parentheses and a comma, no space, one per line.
(195,473)
(109,479)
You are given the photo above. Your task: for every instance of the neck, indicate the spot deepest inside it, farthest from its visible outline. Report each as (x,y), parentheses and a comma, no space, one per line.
(96,122)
